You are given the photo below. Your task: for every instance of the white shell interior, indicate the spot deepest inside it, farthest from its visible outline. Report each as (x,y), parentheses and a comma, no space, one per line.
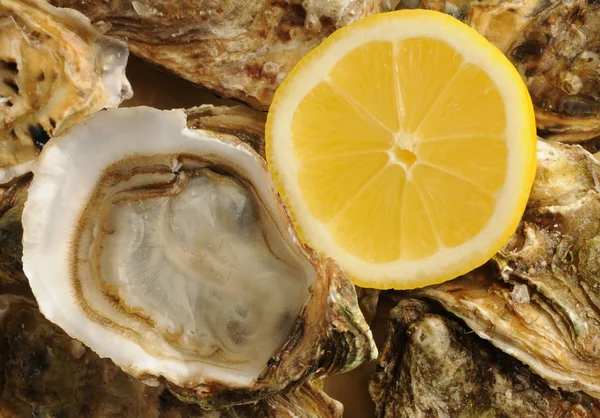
(184,271)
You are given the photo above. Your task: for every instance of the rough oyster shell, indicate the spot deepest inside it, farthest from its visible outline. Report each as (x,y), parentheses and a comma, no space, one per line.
(168,250)
(12,199)
(55,69)
(238,48)
(431,365)
(555,45)
(244,123)
(539,300)
(368,300)
(36,355)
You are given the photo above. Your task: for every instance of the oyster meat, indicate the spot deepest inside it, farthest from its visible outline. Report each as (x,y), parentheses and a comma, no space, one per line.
(55,69)
(539,298)
(36,355)
(168,250)
(555,45)
(432,366)
(241,49)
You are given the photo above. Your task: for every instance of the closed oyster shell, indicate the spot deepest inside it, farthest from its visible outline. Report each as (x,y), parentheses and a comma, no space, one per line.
(169,251)
(239,48)
(368,300)
(539,299)
(555,45)
(12,200)
(45,373)
(558,57)
(55,69)
(432,366)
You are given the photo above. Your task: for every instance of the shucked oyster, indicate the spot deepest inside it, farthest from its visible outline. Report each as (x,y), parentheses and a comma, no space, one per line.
(55,69)
(539,300)
(45,373)
(35,355)
(555,45)
(168,250)
(239,48)
(431,366)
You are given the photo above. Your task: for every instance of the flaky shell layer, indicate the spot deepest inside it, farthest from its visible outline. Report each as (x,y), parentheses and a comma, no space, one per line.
(241,49)
(539,297)
(431,365)
(55,69)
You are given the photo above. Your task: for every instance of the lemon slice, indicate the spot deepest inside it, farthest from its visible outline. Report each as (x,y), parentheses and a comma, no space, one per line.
(404,148)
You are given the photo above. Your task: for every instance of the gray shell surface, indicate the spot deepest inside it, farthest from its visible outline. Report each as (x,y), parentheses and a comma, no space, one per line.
(432,366)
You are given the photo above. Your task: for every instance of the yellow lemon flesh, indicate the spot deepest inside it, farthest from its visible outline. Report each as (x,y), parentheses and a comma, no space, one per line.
(404,148)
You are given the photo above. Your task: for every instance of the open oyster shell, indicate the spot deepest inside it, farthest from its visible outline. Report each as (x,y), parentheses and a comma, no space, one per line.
(539,299)
(555,45)
(55,69)
(36,356)
(169,251)
(432,366)
(239,48)
(244,123)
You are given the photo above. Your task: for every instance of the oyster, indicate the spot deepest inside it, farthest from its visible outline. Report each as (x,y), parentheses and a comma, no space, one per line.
(238,48)
(539,299)
(555,45)
(36,355)
(431,366)
(368,300)
(12,199)
(55,69)
(168,251)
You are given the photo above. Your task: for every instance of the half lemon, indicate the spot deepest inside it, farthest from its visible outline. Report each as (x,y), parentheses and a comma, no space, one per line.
(404,148)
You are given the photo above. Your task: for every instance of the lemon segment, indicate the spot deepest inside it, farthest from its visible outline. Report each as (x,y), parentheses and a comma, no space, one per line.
(457,208)
(404,148)
(360,87)
(418,238)
(345,130)
(328,184)
(486,167)
(419,80)
(470,104)
(375,237)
